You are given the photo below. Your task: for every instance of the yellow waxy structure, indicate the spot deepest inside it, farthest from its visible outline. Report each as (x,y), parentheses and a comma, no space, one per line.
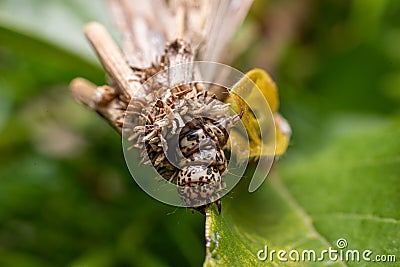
(240,98)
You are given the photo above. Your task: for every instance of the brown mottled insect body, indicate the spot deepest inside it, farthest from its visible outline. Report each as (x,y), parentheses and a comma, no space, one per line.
(184,134)
(200,181)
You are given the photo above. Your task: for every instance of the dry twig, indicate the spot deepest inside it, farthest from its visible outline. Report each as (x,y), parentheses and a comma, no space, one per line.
(109,102)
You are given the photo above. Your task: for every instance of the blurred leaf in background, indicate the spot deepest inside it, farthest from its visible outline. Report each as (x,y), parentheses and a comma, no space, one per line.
(66,197)
(337,71)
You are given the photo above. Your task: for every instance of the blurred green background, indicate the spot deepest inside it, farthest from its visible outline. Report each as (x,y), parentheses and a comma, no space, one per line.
(66,196)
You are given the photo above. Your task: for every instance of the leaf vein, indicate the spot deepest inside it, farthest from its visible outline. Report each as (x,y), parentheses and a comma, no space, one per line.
(358,216)
(281,188)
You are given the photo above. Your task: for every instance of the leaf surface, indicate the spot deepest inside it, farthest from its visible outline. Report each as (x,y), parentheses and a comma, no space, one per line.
(347,189)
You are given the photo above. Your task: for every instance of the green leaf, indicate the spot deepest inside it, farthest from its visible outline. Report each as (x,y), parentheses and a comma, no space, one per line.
(58,22)
(86,210)
(347,189)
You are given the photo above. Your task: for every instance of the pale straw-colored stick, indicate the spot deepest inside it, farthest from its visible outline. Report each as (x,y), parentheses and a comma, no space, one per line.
(101,99)
(111,58)
(84,92)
